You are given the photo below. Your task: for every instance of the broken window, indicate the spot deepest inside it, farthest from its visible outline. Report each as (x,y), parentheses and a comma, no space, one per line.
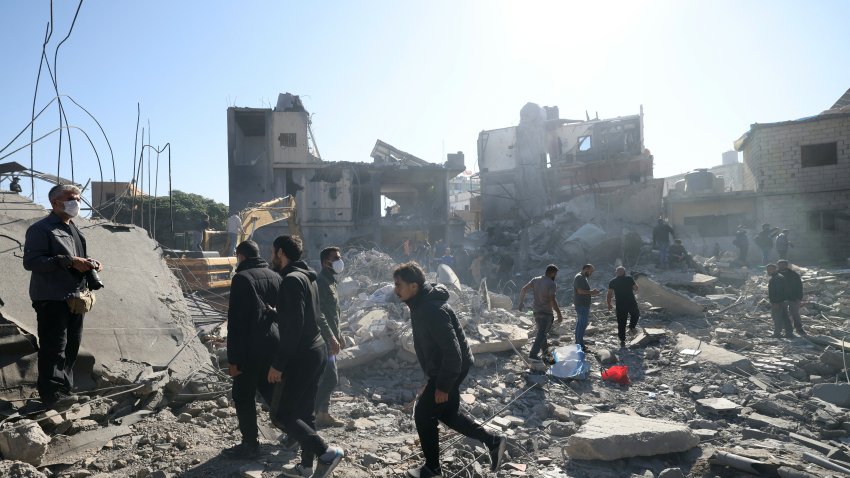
(823,154)
(822,220)
(584,143)
(287,140)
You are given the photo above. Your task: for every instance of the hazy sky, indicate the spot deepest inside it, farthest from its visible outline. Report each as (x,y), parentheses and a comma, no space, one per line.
(426,77)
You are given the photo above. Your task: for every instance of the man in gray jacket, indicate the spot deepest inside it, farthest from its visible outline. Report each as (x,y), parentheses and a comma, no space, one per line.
(55,252)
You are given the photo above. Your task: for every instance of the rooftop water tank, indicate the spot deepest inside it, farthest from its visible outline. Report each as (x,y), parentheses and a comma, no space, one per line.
(699,180)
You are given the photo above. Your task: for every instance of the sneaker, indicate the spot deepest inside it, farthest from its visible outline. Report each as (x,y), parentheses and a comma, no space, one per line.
(328,461)
(423,472)
(497,453)
(298,470)
(289,444)
(242,451)
(632,330)
(324,419)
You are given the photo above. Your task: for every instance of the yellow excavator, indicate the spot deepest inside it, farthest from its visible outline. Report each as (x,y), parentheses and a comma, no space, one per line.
(211,273)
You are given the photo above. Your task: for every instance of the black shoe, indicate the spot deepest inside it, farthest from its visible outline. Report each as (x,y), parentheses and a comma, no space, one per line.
(423,472)
(328,461)
(60,399)
(802,333)
(242,451)
(288,443)
(534,357)
(497,453)
(790,335)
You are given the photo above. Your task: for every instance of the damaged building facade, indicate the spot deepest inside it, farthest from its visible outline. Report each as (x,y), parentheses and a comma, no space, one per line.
(271,153)
(546,161)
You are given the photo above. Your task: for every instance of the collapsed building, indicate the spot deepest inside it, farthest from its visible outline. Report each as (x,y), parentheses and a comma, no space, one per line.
(271,153)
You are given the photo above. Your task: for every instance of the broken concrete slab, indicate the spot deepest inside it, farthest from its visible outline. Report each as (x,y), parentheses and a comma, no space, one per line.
(720,357)
(364,353)
(720,406)
(23,441)
(672,301)
(834,393)
(761,421)
(18,469)
(68,450)
(504,336)
(612,436)
(688,279)
(647,336)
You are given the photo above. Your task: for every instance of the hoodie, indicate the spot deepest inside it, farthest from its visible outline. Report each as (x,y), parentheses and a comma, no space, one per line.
(438,338)
(297,314)
(252,333)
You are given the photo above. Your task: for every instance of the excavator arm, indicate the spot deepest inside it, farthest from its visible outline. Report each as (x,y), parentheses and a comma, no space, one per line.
(266,213)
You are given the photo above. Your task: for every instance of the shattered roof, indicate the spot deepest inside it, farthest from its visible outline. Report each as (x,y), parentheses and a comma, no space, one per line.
(387,153)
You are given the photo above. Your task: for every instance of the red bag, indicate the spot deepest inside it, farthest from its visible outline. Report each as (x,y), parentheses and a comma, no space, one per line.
(617,374)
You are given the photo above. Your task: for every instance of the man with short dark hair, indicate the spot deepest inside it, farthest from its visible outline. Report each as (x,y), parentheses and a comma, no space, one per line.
(777,295)
(622,288)
(543,290)
(252,336)
(302,356)
(332,266)
(795,294)
(55,251)
(444,355)
(582,294)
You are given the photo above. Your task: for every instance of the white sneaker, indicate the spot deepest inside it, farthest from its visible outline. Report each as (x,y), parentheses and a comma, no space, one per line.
(297,471)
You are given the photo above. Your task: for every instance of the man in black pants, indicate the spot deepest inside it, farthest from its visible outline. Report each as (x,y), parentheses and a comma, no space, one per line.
(444,356)
(623,288)
(55,252)
(300,360)
(252,337)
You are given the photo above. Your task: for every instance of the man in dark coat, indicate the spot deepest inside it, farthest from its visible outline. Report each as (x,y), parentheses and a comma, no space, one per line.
(444,356)
(777,294)
(795,294)
(300,360)
(252,336)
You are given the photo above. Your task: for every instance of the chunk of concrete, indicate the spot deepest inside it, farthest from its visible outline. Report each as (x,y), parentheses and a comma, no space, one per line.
(834,393)
(17,469)
(672,301)
(503,336)
(351,357)
(612,436)
(760,421)
(724,359)
(23,441)
(720,406)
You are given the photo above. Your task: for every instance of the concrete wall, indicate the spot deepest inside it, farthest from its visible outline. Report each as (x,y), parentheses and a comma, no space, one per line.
(284,122)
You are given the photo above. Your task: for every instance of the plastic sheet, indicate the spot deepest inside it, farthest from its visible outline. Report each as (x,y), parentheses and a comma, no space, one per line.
(617,374)
(570,362)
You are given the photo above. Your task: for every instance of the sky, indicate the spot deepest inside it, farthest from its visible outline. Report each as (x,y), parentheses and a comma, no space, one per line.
(426,77)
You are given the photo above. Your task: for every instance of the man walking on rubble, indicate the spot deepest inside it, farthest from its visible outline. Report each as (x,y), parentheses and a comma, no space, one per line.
(444,355)
(300,360)
(764,240)
(56,254)
(252,337)
(623,287)
(795,294)
(332,265)
(782,244)
(777,294)
(582,294)
(543,291)
(661,239)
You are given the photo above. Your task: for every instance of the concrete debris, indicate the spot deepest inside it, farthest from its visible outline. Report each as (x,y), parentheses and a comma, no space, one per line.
(722,358)
(719,406)
(24,441)
(18,469)
(671,301)
(611,436)
(834,393)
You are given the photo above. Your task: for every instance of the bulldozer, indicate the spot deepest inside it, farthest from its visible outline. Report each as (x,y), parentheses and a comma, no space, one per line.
(211,268)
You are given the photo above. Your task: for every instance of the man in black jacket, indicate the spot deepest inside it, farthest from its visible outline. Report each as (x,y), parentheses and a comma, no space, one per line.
(252,336)
(444,356)
(795,294)
(300,360)
(777,294)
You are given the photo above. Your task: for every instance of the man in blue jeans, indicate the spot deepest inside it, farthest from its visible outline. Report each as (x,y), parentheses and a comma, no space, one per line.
(582,294)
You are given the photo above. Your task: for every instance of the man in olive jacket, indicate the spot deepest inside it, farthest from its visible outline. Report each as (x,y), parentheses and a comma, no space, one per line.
(329,326)
(444,356)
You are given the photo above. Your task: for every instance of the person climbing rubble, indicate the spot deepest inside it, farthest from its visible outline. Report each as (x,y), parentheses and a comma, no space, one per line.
(622,288)
(795,294)
(582,294)
(661,239)
(443,353)
(332,265)
(777,293)
(679,257)
(543,292)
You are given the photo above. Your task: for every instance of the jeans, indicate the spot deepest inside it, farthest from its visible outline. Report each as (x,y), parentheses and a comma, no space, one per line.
(231,241)
(779,314)
(327,384)
(544,326)
(253,379)
(623,313)
(59,335)
(294,403)
(663,250)
(427,413)
(582,320)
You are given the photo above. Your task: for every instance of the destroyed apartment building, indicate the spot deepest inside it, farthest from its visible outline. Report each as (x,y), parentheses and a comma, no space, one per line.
(796,176)
(271,153)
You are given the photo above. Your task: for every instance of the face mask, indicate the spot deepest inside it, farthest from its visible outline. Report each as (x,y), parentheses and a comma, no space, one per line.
(338,266)
(72,208)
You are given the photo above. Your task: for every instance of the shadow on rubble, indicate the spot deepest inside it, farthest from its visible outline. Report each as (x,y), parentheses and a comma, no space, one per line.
(689,462)
(272,459)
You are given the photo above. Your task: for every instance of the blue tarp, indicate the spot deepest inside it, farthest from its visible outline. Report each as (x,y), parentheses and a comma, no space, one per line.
(570,363)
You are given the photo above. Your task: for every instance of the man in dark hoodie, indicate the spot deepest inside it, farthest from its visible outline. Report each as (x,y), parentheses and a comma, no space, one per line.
(795,294)
(777,294)
(252,336)
(444,356)
(300,360)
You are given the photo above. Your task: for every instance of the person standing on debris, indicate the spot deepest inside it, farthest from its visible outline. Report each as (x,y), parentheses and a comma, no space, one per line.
(622,288)
(252,337)
(234,228)
(62,277)
(777,294)
(582,294)
(661,239)
(742,242)
(782,244)
(475,269)
(444,355)
(332,266)
(795,294)
(300,359)
(15,185)
(764,240)
(543,291)
(678,255)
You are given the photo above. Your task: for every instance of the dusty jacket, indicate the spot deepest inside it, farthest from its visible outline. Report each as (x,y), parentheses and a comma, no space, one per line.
(48,249)
(298,315)
(329,303)
(793,283)
(250,328)
(438,338)
(777,289)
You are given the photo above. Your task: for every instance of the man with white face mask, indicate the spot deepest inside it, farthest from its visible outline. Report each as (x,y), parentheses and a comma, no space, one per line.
(55,252)
(332,266)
